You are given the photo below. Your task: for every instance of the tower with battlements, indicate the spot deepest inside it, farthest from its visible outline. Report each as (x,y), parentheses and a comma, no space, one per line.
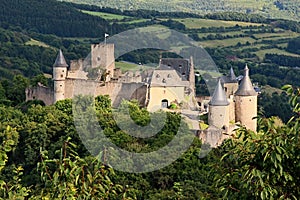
(102,55)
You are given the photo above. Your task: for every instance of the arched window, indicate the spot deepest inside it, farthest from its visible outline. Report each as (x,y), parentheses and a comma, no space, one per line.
(164,103)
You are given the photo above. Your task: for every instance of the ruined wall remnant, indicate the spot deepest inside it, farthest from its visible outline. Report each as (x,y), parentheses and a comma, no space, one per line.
(102,55)
(40,92)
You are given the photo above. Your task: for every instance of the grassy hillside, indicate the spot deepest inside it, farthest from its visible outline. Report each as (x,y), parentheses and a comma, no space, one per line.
(194,23)
(103,15)
(264,46)
(288,9)
(230,43)
(236,35)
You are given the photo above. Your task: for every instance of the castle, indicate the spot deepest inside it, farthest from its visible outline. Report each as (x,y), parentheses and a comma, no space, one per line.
(232,103)
(173,82)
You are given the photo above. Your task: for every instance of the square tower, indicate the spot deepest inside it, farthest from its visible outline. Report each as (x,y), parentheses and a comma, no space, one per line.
(102,55)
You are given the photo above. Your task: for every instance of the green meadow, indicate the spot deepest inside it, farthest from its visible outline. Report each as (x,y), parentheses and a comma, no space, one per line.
(107,16)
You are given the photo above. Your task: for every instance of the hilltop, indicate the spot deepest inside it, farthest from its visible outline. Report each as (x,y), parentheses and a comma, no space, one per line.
(286,9)
(231,38)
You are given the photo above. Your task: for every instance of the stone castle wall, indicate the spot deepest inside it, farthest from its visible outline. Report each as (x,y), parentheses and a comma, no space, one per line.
(171,94)
(246,110)
(74,81)
(218,116)
(192,76)
(76,70)
(116,90)
(231,110)
(212,136)
(40,92)
(102,55)
(230,88)
(127,91)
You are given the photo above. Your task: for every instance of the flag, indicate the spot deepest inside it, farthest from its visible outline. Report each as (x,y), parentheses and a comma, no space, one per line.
(106,35)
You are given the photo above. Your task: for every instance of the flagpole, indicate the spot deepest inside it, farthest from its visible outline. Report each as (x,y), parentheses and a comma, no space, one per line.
(105,36)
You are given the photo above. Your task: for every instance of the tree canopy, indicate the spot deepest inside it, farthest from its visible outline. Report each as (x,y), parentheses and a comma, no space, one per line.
(42,156)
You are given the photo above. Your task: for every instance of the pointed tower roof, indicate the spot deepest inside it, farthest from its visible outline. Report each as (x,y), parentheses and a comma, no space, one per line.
(232,75)
(230,78)
(60,60)
(245,87)
(219,97)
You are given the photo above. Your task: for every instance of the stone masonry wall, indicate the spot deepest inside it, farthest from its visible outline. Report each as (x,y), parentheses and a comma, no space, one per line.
(40,92)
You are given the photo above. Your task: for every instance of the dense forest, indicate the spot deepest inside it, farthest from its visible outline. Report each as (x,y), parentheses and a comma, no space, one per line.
(293,46)
(61,20)
(42,157)
(18,56)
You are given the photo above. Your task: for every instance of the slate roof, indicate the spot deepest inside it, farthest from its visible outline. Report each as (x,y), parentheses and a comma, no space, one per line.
(230,78)
(60,60)
(219,97)
(167,76)
(182,66)
(246,88)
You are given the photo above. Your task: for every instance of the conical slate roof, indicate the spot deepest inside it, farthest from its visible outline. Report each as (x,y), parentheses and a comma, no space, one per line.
(232,75)
(245,87)
(219,97)
(230,78)
(60,60)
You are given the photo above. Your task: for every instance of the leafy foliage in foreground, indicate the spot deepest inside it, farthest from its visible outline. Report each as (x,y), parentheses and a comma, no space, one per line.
(39,161)
(266,164)
(72,177)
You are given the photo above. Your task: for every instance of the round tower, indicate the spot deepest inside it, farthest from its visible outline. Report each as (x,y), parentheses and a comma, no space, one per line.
(59,76)
(219,108)
(246,103)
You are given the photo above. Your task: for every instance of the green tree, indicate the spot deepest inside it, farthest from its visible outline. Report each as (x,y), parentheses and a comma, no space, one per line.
(3,99)
(12,187)
(2,92)
(73,177)
(16,90)
(266,164)
(39,79)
